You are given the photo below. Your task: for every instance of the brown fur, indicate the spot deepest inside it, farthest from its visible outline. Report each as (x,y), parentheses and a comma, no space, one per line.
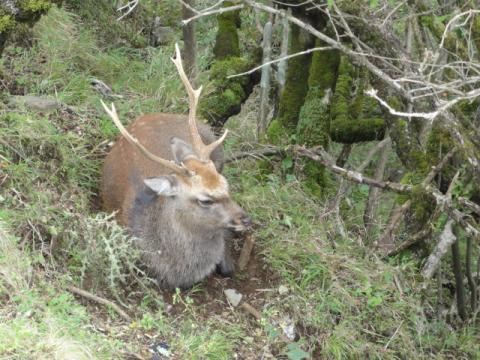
(181,238)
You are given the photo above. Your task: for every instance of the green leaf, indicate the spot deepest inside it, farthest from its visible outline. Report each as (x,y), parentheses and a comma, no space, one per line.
(287,163)
(330,3)
(374,301)
(373,3)
(287,221)
(290,178)
(295,352)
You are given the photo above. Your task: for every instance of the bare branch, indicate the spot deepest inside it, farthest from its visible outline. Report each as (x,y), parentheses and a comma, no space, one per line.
(447,238)
(212,12)
(128,8)
(323,48)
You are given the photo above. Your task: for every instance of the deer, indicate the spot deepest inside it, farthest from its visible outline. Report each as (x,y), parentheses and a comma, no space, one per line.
(163,179)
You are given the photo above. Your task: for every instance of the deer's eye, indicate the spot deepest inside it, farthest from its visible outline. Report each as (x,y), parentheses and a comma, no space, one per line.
(205,203)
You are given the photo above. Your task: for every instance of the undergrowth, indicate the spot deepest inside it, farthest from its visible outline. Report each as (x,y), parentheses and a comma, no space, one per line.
(343,301)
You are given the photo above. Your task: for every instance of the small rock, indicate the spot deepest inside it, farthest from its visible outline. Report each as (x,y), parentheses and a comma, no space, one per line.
(233,297)
(288,328)
(160,351)
(282,289)
(35,103)
(161,35)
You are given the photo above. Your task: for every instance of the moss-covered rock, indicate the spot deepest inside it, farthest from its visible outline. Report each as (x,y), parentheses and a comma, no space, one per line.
(227,94)
(21,11)
(226,42)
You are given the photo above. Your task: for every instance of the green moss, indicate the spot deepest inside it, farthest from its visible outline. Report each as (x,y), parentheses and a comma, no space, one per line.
(324,68)
(347,125)
(476,31)
(226,42)
(314,119)
(7,23)
(439,143)
(296,84)
(277,134)
(343,88)
(228,94)
(313,125)
(348,131)
(35,5)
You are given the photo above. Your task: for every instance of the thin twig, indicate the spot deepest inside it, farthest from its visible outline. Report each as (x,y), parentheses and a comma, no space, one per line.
(322,48)
(212,12)
(269,151)
(251,310)
(99,300)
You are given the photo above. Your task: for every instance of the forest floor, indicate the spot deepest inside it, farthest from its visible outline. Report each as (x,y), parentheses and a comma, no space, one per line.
(318,295)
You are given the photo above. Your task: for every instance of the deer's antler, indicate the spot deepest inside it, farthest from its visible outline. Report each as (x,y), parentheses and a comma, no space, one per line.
(167,163)
(203,151)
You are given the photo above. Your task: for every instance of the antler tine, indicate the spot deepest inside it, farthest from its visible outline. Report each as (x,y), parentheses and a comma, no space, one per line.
(193,96)
(210,147)
(167,163)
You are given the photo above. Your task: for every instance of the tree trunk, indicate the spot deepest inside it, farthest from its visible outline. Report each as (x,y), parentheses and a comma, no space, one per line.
(190,43)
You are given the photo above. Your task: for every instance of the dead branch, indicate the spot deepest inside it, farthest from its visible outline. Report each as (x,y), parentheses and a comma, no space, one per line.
(458,273)
(265,80)
(470,205)
(447,238)
(127,8)
(246,251)
(251,310)
(259,153)
(319,155)
(400,211)
(373,197)
(100,300)
(323,48)
(212,12)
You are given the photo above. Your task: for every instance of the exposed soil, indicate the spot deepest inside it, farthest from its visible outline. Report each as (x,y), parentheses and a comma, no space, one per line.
(255,283)
(252,282)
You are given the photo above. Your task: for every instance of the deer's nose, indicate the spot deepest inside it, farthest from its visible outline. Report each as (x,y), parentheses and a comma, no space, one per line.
(246,221)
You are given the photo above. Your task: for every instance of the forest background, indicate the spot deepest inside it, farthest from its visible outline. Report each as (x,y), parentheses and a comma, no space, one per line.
(356,153)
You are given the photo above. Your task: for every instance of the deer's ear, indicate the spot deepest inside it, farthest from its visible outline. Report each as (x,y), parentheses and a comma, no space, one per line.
(163,185)
(181,150)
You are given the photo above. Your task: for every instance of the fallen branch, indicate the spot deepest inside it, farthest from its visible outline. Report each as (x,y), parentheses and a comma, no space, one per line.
(246,251)
(100,300)
(319,155)
(447,238)
(251,310)
(269,151)
(400,212)
(470,205)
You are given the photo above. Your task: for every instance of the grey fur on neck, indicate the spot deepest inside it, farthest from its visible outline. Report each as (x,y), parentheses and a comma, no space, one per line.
(178,254)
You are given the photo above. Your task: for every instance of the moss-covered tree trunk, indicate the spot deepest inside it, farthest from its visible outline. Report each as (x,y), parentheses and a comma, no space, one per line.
(295,89)
(226,41)
(227,95)
(354,117)
(313,125)
(190,42)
